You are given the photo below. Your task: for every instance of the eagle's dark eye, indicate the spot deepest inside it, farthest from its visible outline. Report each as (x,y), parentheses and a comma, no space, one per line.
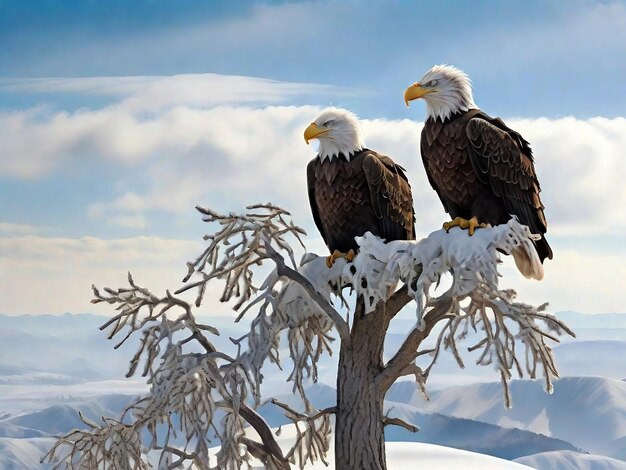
(432,83)
(329,123)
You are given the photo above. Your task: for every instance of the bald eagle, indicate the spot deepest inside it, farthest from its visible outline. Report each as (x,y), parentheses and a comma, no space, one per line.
(482,170)
(353,190)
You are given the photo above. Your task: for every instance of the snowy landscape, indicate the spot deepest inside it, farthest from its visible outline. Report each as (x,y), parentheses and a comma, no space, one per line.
(52,367)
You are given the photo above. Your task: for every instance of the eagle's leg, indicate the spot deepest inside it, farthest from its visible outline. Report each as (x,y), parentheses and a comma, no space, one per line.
(471,224)
(349,256)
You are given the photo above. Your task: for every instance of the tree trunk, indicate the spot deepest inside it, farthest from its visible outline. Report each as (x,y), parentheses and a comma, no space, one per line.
(359,427)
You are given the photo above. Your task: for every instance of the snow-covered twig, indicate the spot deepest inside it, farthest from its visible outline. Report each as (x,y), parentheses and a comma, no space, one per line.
(239,246)
(112,445)
(312,442)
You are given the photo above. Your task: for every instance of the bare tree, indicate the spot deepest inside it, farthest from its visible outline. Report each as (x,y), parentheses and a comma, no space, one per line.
(192,380)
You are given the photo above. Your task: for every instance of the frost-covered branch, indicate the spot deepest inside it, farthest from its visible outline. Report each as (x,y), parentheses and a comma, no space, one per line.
(313,441)
(402,362)
(239,246)
(155,325)
(113,445)
(473,302)
(188,377)
(303,282)
(401,423)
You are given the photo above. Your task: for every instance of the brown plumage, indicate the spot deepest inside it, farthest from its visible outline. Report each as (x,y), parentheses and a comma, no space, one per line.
(367,192)
(480,167)
(482,170)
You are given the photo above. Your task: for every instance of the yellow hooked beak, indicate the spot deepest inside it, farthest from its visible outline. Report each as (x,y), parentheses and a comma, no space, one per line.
(313,132)
(414,92)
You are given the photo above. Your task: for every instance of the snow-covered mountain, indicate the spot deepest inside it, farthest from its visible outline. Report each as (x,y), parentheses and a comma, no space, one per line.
(63,417)
(53,366)
(436,428)
(24,454)
(589,412)
(598,320)
(598,358)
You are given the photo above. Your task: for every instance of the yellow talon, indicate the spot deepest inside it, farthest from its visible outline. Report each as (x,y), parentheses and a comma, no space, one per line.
(456,222)
(330,260)
(471,224)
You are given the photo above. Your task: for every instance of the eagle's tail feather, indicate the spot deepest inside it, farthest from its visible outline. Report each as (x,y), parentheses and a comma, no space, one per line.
(543,249)
(528,262)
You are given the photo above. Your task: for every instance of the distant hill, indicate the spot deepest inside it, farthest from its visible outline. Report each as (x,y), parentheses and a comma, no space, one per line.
(574,358)
(70,324)
(63,416)
(589,412)
(71,347)
(586,413)
(438,429)
(599,358)
(24,454)
(596,320)
(60,326)
(599,323)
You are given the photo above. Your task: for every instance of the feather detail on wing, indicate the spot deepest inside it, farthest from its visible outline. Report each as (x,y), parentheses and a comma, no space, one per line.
(391,198)
(504,162)
(310,175)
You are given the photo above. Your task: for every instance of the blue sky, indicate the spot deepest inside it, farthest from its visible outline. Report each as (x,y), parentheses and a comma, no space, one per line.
(117,117)
(570,53)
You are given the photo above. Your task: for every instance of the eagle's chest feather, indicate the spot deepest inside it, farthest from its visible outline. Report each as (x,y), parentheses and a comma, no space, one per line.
(446,157)
(341,183)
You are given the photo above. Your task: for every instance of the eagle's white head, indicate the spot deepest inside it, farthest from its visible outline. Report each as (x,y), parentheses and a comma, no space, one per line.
(446,90)
(339,132)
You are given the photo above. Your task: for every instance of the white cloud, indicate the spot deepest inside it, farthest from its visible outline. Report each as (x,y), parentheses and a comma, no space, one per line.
(581,168)
(580,279)
(209,152)
(155,93)
(54,275)
(227,156)
(212,156)
(135,221)
(189,156)
(7,228)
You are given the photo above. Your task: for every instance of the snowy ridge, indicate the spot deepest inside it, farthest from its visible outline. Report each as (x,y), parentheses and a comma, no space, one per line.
(62,416)
(466,434)
(410,455)
(568,460)
(599,426)
(24,454)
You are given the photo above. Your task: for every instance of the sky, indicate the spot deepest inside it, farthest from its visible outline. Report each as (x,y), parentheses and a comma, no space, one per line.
(118,118)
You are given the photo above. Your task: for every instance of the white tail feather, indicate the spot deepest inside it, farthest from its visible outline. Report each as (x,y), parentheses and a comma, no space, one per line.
(527,261)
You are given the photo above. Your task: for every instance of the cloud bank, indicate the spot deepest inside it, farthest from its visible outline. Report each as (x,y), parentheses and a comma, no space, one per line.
(164,157)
